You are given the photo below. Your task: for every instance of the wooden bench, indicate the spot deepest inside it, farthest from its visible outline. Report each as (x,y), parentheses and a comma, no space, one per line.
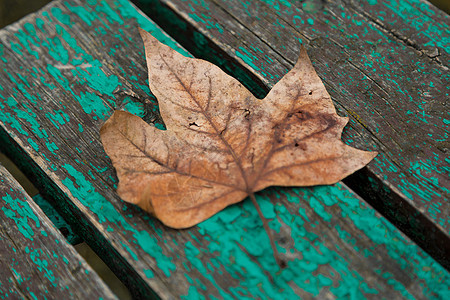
(67,67)
(35,259)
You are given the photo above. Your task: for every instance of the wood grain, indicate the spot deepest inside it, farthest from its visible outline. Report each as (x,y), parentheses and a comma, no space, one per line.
(35,260)
(67,68)
(385,64)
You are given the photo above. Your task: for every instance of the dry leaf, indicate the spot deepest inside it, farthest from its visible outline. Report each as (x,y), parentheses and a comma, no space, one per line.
(221,143)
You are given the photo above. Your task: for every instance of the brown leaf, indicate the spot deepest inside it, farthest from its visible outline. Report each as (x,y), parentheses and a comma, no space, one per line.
(221,143)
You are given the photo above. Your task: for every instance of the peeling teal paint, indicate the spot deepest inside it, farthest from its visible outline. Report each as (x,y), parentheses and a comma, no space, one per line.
(110,13)
(438,33)
(85,192)
(58,118)
(20,212)
(97,80)
(247,57)
(59,15)
(228,227)
(33,144)
(127,10)
(92,103)
(148,273)
(276,4)
(57,50)
(136,108)
(82,13)
(38,258)
(35,255)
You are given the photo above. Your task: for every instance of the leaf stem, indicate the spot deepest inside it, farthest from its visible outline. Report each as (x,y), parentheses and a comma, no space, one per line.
(279,261)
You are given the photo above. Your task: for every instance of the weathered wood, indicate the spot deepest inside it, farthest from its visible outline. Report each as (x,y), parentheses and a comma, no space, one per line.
(46,207)
(66,68)
(35,260)
(385,64)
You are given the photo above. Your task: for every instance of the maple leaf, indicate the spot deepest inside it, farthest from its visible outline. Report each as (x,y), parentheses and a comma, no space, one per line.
(222,144)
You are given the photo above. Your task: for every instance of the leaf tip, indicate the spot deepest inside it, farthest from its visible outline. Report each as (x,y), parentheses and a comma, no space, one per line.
(303,54)
(111,119)
(304,63)
(149,40)
(144,33)
(366,157)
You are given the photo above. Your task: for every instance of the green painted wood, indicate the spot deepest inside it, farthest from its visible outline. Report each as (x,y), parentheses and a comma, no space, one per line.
(385,64)
(46,207)
(35,260)
(66,68)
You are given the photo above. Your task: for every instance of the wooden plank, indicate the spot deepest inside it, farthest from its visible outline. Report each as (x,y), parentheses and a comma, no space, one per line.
(82,60)
(385,64)
(46,207)
(35,260)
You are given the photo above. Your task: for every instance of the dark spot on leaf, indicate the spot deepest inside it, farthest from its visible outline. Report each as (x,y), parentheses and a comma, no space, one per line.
(300,145)
(247,114)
